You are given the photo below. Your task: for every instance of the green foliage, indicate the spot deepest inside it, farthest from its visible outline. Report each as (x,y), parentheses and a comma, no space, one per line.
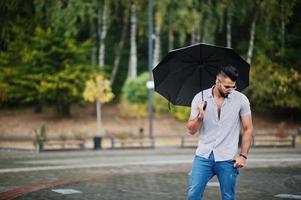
(41,134)
(49,65)
(122,135)
(11,67)
(57,68)
(63,136)
(45,48)
(135,90)
(135,96)
(274,86)
(79,135)
(160,104)
(275,75)
(181,113)
(53,71)
(17,17)
(66,18)
(137,110)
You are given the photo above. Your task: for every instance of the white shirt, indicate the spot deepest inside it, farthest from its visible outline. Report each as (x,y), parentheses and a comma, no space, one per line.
(220,135)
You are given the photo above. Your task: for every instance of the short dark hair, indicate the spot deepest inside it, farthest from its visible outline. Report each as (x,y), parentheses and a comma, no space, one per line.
(228,71)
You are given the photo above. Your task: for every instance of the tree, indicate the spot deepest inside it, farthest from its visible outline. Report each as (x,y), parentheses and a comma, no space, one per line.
(56,68)
(123,20)
(229,14)
(275,75)
(98,89)
(102,27)
(132,72)
(44,45)
(15,15)
(159,20)
(252,31)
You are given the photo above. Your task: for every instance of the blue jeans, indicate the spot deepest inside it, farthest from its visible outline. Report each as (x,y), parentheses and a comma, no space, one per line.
(204,169)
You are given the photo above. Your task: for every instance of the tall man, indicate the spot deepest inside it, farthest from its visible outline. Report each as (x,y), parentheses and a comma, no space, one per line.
(218,119)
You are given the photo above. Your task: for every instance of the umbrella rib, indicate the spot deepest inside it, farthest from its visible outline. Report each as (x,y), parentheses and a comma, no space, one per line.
(212,60)
(195,59)
(209,72)
(180,72)
(183,84)
(181,69)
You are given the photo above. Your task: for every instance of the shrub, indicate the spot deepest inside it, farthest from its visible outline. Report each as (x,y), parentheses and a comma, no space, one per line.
(133,109)
(135,90)
(41,134)
(181,113)
(160,104)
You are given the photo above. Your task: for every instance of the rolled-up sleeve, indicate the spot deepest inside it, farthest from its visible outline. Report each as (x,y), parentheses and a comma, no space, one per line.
(194,107)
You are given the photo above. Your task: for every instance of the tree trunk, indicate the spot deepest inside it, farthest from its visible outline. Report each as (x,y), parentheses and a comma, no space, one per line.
(252,32)
(157,49)
(38,108)
(94,36)
(193,34)
(200,22)
(63,107)
(203,26)
(229,25)
(118,51)
(132,73)
(206,22)
(198,35)
(170,37)
(66,109)
(102,24)
(102,27)
(98,117)
(282,27)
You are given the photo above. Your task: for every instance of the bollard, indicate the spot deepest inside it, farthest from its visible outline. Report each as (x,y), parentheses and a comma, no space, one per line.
(97,142)
(41,146)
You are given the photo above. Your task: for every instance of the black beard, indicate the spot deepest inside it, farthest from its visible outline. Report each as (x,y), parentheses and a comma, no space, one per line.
(223,94)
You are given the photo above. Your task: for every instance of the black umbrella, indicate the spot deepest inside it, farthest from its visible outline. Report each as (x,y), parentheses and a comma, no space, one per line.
(186,71)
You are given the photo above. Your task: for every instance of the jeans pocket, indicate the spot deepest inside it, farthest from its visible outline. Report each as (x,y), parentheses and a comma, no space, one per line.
(234,168)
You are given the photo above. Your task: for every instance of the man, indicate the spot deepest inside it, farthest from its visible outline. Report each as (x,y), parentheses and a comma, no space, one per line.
(219,124)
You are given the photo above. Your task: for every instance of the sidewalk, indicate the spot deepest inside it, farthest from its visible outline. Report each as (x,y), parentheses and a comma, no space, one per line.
(118,174)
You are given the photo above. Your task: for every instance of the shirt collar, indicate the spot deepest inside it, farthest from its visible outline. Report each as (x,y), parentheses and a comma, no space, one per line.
(211,92)
(230,95)
(210,95)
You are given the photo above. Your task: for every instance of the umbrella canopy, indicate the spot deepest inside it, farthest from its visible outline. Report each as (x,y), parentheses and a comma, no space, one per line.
(186,71)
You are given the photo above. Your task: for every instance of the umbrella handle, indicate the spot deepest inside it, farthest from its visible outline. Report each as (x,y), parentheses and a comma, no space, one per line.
(205,105)
(202,95)
(205,102)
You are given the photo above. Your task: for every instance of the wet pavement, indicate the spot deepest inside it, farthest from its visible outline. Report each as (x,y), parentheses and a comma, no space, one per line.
(157,174)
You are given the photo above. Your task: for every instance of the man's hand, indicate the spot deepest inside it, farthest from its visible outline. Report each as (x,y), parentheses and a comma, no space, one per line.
(201,110)
(194,123)
(240,162)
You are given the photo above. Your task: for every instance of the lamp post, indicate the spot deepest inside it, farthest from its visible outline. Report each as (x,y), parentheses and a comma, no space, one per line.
(150,68)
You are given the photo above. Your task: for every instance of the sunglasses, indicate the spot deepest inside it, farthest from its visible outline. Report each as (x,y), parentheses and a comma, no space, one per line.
(227,87)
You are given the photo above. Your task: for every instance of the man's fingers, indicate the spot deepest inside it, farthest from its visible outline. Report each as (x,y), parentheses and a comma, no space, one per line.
(201,105)
(238,164)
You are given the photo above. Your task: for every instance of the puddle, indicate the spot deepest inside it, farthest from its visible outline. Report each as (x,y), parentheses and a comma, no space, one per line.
(66,191)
